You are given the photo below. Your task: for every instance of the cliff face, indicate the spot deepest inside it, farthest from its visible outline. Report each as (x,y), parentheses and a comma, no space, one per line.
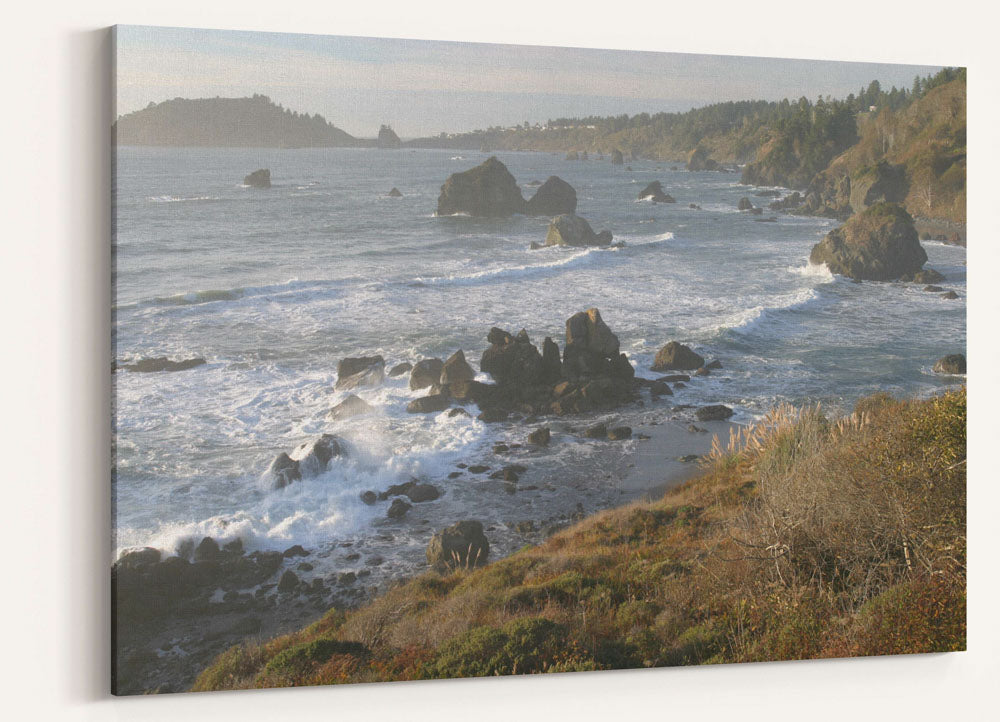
(254,122)
(924,145)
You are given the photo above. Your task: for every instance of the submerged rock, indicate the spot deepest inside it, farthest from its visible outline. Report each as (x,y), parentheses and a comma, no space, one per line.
(676,356)
(879,244)
(351,406)
(745,204)
(258,179)
(572,230)
(487,190)
(394,193)
(462,545)
(162,363)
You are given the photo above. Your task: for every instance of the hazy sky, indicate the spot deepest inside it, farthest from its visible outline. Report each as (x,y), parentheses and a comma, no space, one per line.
(424,87)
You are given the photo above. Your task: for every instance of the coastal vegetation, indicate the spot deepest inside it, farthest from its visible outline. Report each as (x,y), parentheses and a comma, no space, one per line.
(805,536)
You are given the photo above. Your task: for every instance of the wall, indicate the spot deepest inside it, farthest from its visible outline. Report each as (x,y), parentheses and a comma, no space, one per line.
(55,301)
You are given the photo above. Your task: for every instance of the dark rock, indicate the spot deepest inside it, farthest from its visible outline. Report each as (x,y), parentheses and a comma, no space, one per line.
(551,361)
(928,275)
(398,509)
(617,158)
(313,457)
(138,558)
(933,289)
(951,364)
(698,160)
(295,551)
(540,437)
(162,363)
(620,433)
(511,361)
(456,368)
(207,550)
(354,373)
(400,369)
(426,373)
(351,406)
(258,179)
(677,356)
(950,295)
(572,230)
(487,190)
(674,378)
(457,411)
(304,567)
(492,416)
(394,193)
(659,388)
(573,155)
(454,474)
(428,404)
(654,192)
(462,545)
(793,200)
(712,366)
(702,372)
(553,198)
(387,138)
(879,244)
(414,490)
(369,497)
(716,412)
(597,431)
(345,579)
(289,581)
(283,471)
(478,469)
(745,204)
(697,429)
(694,206)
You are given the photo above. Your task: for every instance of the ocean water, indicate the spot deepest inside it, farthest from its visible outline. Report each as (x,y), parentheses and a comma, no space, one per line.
(274,287)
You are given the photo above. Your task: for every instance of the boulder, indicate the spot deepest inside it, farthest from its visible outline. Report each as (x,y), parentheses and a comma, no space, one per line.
(927,276)
(426,373)
(654,192)
(620,433)
(369,497)
(162,363)
(572,155)
(950,364)
(716,412)
(455,369)
(571,230)
(351,406)
(288,582)
(511,361)
(354,373)
(745,204)
(597,431)
(553,198)
(617,158)
(488,190)
(398,509)
(883,183)
(879,244)
(462,545)
(540,437)
(283,471)
(258,179)
(676,356)
(793,200)
(659,388)
(394,193)
(429,404)
(207,550)
(313,457)
(296,550)
(551,362)
(400,369)
(138,558)
(950,295)
(698,160)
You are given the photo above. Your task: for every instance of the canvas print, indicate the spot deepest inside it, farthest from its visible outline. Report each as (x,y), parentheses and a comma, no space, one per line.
(437,360)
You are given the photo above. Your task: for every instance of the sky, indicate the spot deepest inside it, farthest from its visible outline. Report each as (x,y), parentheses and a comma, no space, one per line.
(424,87)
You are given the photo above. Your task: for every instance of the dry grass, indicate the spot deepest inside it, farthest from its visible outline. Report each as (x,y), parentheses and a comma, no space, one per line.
(804,537)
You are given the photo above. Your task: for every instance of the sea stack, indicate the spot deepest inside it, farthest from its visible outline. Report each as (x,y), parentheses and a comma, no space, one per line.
(879,244)
(258,179)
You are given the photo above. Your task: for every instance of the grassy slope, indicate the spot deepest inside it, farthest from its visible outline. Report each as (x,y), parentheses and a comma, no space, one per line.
(804,538)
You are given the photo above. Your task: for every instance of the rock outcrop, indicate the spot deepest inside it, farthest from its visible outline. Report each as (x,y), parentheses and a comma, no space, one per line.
(572,230)
(462,545)
(950,364)
(353,373)
(883,183)
(426,372)
(387,138)
(654,192)
(879,244)
(488,190)
(617,158)
(554,197)
(698,159)
(395,193)
(676,356)
(258,179)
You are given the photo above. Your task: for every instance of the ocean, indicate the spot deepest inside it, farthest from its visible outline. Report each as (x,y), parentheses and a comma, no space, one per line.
(273,287)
